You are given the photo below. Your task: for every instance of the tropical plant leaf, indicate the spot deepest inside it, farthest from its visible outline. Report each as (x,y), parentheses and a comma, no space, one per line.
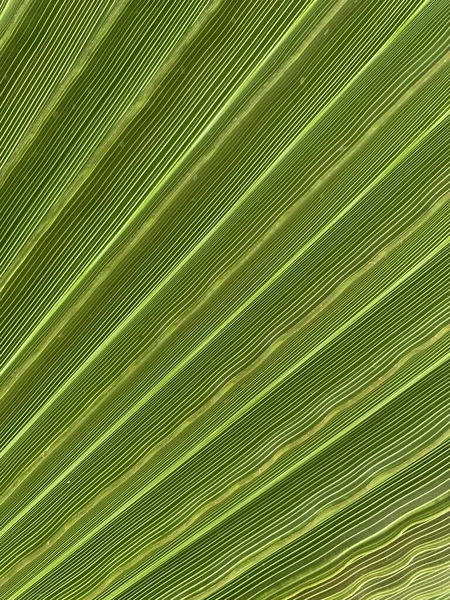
(224,282)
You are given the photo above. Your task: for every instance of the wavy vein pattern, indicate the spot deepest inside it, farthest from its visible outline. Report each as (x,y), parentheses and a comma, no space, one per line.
(224,300)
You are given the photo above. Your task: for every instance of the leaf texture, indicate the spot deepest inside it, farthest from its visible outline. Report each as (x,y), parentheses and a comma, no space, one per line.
(224,300)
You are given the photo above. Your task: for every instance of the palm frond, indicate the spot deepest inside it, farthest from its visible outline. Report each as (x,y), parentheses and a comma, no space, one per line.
(224,299)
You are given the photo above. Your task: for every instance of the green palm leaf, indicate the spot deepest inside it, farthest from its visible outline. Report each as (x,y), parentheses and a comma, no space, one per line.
(224,288)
